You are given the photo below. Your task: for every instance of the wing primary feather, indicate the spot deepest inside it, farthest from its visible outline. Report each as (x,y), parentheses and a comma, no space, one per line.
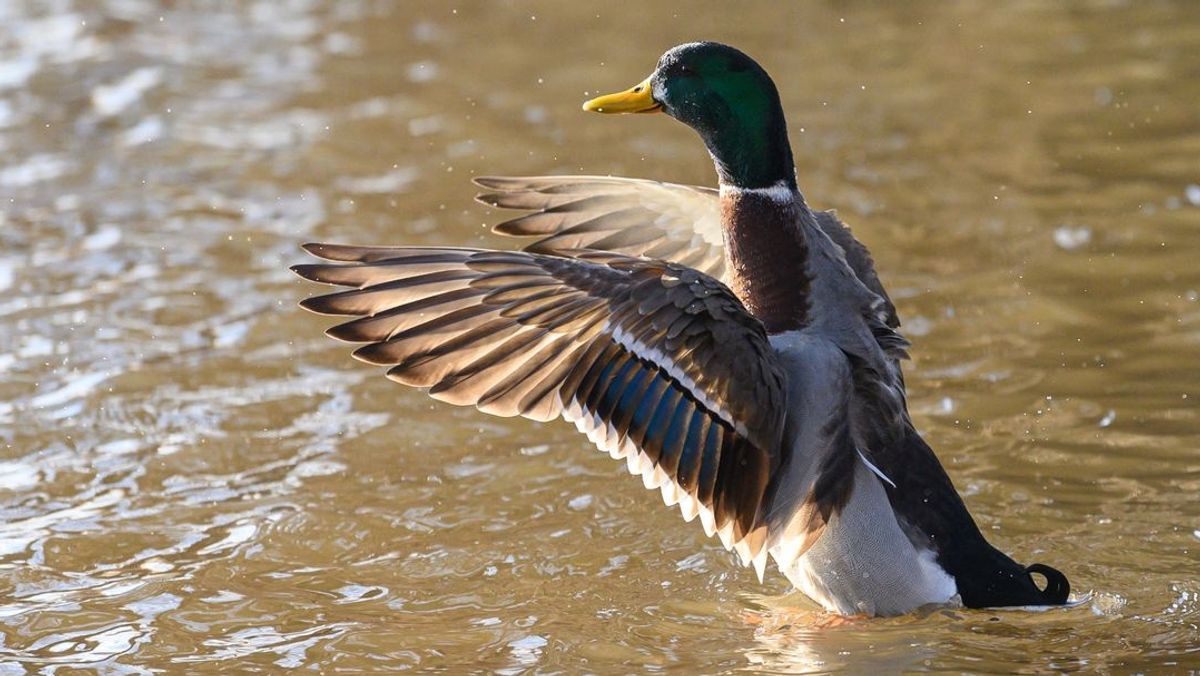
(372,299)
(516,383)
(507,351)
(545,400)
(387,323)
(536,288)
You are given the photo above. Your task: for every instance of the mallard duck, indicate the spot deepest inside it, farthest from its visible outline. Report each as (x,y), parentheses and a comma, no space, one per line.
(733,346)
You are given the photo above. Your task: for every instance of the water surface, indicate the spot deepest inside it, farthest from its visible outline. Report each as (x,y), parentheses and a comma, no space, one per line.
(192,477)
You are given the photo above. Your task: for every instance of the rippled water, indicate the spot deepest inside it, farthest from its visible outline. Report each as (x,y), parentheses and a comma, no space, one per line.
(192,476)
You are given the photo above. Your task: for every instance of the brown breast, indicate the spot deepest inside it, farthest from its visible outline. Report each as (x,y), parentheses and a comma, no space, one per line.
(765,257)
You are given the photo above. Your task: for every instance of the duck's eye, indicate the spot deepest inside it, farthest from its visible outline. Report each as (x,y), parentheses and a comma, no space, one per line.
(683,70)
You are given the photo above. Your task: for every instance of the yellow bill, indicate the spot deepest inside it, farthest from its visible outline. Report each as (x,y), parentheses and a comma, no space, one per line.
(634,100)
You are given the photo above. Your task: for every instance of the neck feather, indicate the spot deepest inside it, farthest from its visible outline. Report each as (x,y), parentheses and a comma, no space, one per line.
(766,254)
(750,148)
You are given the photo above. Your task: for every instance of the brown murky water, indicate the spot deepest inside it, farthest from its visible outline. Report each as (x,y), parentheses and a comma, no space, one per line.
(192,477)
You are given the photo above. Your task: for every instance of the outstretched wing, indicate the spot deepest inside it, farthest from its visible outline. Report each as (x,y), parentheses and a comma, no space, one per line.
(657,363)
(666,221)
(679,223)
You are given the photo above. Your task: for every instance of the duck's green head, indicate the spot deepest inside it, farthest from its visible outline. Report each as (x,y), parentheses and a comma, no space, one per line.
(728,99)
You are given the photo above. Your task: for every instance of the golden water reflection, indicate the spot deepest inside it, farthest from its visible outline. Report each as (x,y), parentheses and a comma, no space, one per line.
(192,476)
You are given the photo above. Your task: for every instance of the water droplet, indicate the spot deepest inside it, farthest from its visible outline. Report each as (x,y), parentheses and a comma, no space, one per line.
(1070,238)
(1192,192)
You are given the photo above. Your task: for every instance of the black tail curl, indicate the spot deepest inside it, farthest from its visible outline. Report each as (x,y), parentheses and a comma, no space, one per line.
(1057,587)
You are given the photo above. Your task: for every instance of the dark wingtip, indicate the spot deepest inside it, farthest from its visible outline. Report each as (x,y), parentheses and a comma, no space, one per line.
(308,271)
(512,227)
(490,199)
(1058,588)
(374,353)
(315,304)
(350,332)
(329,304)
(490,182)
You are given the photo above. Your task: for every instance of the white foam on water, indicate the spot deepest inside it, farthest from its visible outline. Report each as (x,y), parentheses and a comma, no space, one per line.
(116,98)
(75,388)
